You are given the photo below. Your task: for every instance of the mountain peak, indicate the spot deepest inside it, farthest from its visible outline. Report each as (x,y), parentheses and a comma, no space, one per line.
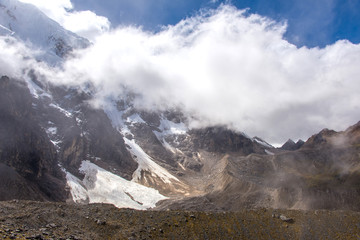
(290,145)
(27,23)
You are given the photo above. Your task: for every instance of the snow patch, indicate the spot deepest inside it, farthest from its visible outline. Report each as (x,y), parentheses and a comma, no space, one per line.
(147,164)
(171,128)
(268,152)
(56,144)
(51,130)
(101,186)
(66,113)
(263,143)
(135,118)
(35,90)
(168,146)
(4,31)
(115,116)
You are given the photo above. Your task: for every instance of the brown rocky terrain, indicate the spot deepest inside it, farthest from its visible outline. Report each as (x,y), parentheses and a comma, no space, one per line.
(322,174)
(34,220)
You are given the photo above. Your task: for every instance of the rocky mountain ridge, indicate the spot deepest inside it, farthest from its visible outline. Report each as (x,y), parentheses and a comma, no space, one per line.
(199,169)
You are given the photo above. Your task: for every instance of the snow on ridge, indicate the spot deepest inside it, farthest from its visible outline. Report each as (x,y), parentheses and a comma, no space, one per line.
(65,112)
(5,31)
(263,143)
(101,186)
(36,91)
(143,159)
(170,128)
(115,116)
(147,164)
(51,130)
(135,118)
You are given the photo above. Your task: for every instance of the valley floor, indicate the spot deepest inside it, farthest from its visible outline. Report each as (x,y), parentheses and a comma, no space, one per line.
(38,220)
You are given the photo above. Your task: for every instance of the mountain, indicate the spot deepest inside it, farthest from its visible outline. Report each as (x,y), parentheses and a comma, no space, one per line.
(322,174)
(55,146)
(27,23)
(291,145)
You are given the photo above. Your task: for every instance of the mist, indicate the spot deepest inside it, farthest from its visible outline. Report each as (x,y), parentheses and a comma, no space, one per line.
(221,67)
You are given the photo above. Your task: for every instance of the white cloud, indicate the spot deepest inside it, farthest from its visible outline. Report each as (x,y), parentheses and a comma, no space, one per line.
(14,57)
(84,23)
(226,67)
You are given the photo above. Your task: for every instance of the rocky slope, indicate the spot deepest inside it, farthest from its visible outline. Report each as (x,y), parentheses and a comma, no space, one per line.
(33,220)
(322,174)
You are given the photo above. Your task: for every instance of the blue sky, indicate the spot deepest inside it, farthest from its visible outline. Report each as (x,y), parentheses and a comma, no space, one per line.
(310,23)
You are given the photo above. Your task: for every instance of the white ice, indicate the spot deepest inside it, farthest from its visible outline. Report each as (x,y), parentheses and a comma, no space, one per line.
(147,164)
(101,186)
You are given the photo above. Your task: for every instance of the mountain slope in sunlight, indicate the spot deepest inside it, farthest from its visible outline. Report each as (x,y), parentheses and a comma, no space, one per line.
(26,22)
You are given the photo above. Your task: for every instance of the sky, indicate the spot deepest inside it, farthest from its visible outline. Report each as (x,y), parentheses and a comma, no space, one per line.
(310,23)
(278,70)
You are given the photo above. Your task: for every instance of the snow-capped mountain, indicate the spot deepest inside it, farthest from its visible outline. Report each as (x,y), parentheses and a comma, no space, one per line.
(27,23)
(55,146)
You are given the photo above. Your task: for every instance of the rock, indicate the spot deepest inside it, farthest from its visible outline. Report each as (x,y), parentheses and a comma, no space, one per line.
(51,225)
(39,237)
(285,219)
(100,222)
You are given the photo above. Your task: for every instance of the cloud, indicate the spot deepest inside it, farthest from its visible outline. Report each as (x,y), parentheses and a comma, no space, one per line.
(14,57)
(228,67)
(84,23)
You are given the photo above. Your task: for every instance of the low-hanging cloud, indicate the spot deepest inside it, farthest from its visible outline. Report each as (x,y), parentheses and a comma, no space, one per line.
(84,23)
(225,67)
(14,57)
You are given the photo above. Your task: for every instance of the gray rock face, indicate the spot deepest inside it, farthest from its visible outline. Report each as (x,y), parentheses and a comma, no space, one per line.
(37,136)
(290,145)
(221,139)
(25,148)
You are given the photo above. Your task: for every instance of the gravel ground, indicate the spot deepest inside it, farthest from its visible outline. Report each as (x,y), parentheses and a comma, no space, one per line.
(39,220)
